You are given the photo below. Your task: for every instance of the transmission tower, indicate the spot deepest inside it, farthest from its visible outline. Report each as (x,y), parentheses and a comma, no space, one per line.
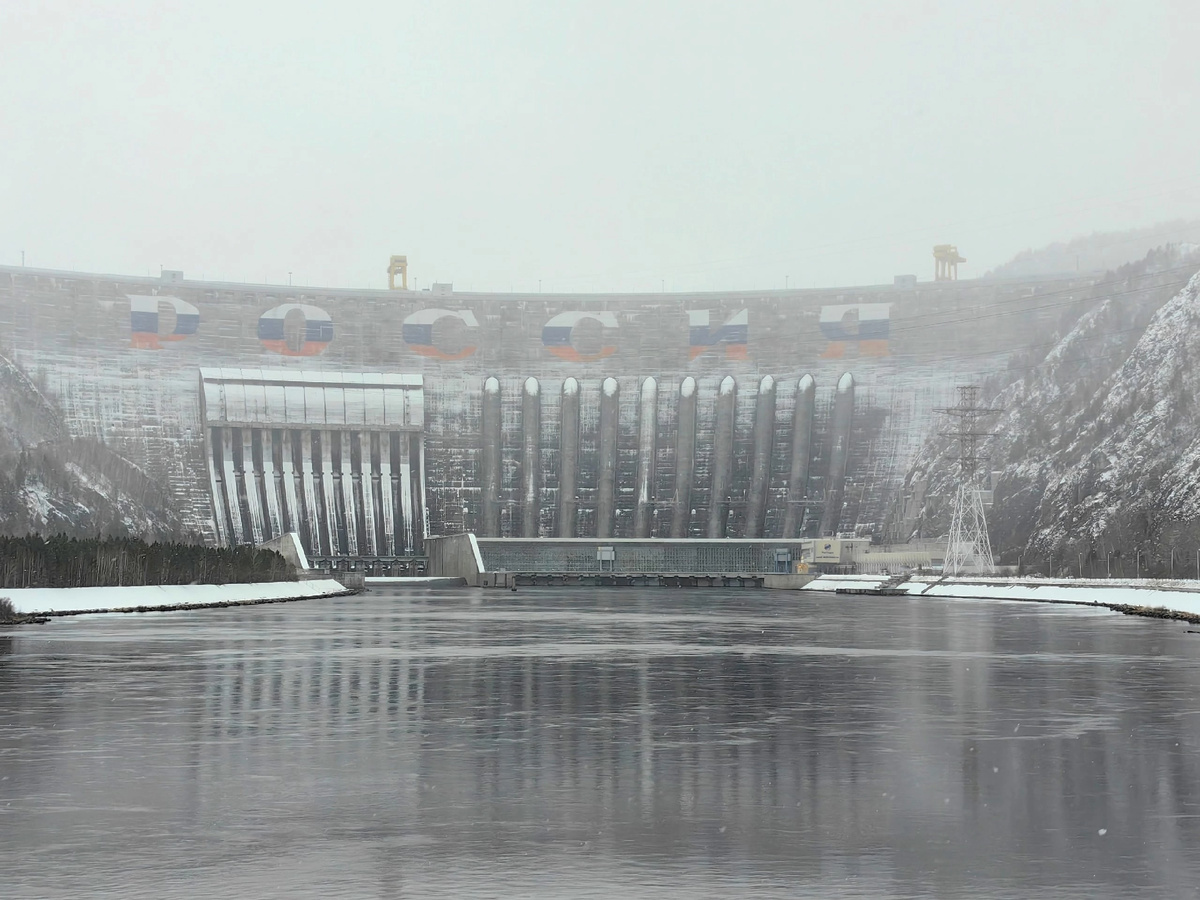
(968,548)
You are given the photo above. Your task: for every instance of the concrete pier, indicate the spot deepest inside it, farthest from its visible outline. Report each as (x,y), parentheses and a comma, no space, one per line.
(722,466)
(606,481)
(843,419)
(685,459)
(490,451)
(568,477)
(312,507)
(346,494)
(802,427)
(760,464)
(647,445)
(531,457)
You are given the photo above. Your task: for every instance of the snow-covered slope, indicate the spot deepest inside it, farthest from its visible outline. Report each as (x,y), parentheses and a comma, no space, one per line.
(1097,451)
(1134,461)
(51,483)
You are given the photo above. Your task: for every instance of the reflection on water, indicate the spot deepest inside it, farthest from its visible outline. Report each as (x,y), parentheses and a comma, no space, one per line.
(554,744)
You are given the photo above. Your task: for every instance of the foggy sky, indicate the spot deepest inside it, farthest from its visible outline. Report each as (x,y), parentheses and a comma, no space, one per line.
(593,146)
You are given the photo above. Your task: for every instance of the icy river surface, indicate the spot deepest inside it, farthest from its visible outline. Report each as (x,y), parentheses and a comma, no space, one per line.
(601,743)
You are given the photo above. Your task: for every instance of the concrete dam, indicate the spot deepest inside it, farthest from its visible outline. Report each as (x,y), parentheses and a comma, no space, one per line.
(368,420)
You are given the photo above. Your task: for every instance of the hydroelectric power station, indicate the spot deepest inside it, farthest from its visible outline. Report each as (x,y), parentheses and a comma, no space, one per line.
(366,421)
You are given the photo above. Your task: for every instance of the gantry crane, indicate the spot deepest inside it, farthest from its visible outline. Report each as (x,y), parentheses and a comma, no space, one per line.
(398,266)
(945,262)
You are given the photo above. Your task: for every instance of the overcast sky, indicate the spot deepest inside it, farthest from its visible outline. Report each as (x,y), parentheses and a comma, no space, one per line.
(592,146)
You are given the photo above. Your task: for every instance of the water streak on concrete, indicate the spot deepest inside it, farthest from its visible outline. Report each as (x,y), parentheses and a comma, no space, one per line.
(490,451)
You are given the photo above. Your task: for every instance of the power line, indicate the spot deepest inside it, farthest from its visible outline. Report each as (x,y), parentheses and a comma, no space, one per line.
(913,323)
(1046,345)
(1051,342)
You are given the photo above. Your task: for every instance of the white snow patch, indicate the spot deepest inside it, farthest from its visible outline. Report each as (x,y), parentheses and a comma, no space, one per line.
(688,387)
(37,501)
(610,387)
(1094,593)
(849,582)
(160,596)
(100,484)
(1176,596)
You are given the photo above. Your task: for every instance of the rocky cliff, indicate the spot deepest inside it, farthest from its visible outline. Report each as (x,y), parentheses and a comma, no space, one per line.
(1097,452)
(51,483)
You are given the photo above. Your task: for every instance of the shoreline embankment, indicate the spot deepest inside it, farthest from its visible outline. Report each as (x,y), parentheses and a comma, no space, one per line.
(1155,598)
(43,603)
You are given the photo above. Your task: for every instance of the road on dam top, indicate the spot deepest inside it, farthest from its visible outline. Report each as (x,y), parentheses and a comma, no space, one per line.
(572,744)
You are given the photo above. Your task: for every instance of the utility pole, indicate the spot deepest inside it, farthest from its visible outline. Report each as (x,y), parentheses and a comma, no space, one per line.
(968,548)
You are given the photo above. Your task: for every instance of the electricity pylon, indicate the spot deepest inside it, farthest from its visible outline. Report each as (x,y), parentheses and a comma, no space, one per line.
(968,548)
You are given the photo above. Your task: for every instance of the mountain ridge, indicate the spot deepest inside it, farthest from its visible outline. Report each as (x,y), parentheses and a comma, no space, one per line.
(1097,451)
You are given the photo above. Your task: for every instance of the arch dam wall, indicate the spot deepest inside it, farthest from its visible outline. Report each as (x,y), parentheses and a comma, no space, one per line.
(366,420)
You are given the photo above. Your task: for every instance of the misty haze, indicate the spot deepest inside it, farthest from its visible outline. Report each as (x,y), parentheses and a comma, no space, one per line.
(550,450)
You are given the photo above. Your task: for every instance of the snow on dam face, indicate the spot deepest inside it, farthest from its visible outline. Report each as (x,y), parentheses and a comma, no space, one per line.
(366,420)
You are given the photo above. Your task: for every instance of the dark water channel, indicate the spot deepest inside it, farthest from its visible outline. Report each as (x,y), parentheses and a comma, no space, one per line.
(555,744)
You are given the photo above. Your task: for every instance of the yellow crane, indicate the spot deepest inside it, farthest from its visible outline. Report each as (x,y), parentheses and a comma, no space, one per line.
(398,266)
(945,262)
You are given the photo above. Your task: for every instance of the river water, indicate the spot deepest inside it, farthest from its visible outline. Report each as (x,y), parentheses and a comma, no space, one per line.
(600,743)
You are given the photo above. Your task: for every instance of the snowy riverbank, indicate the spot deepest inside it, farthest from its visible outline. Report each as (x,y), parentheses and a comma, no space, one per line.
(72,601)
(1179,597)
